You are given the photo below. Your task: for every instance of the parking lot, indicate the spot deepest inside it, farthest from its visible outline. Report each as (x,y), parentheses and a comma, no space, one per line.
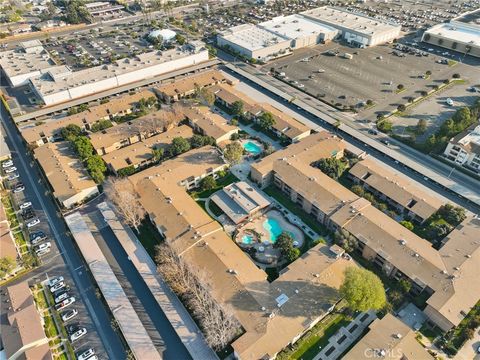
(373,74)
(40,242)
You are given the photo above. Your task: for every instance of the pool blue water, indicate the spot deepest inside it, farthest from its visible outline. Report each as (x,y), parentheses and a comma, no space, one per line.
(252,148)
(247,239)
(274,229)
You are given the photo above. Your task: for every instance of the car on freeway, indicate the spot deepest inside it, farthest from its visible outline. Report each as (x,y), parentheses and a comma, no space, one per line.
(33,222)
(60,297)
(65,303)
(78,334)
(25,205)
(7,164)
(10,169)
(386,142)
(373,132)
(56,279)
(18,188)
(59,285)
(68,315)
(13,176)
(87,354)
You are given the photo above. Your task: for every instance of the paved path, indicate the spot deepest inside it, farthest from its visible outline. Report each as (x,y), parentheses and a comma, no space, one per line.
(178,316)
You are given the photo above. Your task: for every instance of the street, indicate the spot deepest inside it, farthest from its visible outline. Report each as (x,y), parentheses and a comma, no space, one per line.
(64,255)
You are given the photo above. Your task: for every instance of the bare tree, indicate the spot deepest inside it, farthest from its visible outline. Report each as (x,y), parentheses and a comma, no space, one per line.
(216,320)
(122,194)
(204,96)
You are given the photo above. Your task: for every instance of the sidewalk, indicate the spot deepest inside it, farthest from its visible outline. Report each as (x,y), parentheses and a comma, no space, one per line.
(174,310)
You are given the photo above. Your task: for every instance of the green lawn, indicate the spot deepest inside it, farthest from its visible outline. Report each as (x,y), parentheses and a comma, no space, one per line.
(295,209)
(50,328)
(149,237)
(40,299)
(429,332)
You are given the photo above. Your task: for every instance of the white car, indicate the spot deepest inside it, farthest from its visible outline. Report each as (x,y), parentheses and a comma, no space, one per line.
(65,303)
(61,297)
(78,334)
(10,170)
(44,246)
(87,354)
(70,314)
(13,176)
(33,222)
(449,102)
(38,240)
(7,163)
(25,205)
(42,252)
(57,286)
(55,280)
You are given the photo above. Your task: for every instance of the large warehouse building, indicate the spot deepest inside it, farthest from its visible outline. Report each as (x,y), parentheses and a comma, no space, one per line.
(356,29)
(254,42)
(301,31)
(60,84)
(461,34)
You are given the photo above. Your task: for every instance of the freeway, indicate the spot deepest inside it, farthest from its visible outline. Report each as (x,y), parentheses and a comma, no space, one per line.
(38,194)
(423,168)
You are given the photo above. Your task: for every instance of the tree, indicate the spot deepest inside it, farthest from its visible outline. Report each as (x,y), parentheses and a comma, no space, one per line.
(400,87)
(96,167)
(407,224)
(405,285)
(385,126)
(456,76)
(454,215)
(76,12)
(7,264)
(204,96)
(238,108)
(208,183)
(428,73)
(233,152)
(83,147)
(201,140)
(362,289)
(158,154)
(178,146)
(266,120)
(332,167)
(180,39)
(421,126)
(70,132)
(401,107)
(357,189)
(123,195)
(285,244)
(369,102)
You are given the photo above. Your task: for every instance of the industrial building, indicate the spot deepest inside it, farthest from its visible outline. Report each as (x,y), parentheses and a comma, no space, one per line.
(254,42)
(300,30)
(356,29)
(60,84)
(464,149)
(461,34)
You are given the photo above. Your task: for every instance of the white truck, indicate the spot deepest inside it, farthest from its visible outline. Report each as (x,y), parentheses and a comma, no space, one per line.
(347,56)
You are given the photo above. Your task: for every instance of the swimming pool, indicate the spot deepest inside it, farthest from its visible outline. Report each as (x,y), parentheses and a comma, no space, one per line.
(252,148)
(247,239)
(274,229)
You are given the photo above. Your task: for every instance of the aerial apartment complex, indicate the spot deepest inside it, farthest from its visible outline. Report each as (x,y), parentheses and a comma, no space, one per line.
(464,148)
(447,275)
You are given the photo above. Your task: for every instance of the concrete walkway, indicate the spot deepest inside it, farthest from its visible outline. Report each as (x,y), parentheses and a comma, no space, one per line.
(174,310)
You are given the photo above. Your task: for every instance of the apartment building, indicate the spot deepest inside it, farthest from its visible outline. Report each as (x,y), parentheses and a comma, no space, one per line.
(186,87)
(464,149)
(49,130)
(272,315)
(446,275)
(395,189)
(70,181)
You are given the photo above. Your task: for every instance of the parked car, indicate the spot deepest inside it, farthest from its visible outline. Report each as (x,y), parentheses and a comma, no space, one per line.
(33,222)
(65,303)
(56,279)
(28,214)
(18,188)
(78,334)
(70,314)
(60,297)
(42,252)
(38,240)
(10,170)
(59,285)
(25,205)
(7,164)
(44,246)
(37,237)
(13,176)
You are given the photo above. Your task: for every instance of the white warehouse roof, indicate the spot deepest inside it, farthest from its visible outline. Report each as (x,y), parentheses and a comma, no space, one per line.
(295,26)
(252,37)
(458,33)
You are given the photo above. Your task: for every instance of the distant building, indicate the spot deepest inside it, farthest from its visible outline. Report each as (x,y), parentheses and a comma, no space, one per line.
(60,84)
(99,8)
(388,338)
(23,336)
(66,174)
(461,34)
(254,42)
(464,149)
(356,29)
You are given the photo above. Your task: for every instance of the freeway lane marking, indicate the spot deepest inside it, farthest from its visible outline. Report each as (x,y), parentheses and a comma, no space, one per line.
(57,237)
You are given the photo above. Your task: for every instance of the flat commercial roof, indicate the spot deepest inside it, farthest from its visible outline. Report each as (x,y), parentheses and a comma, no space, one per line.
(252,37)
(340,18)
(15,63)
(132,328)
(295,26)
(456,33)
